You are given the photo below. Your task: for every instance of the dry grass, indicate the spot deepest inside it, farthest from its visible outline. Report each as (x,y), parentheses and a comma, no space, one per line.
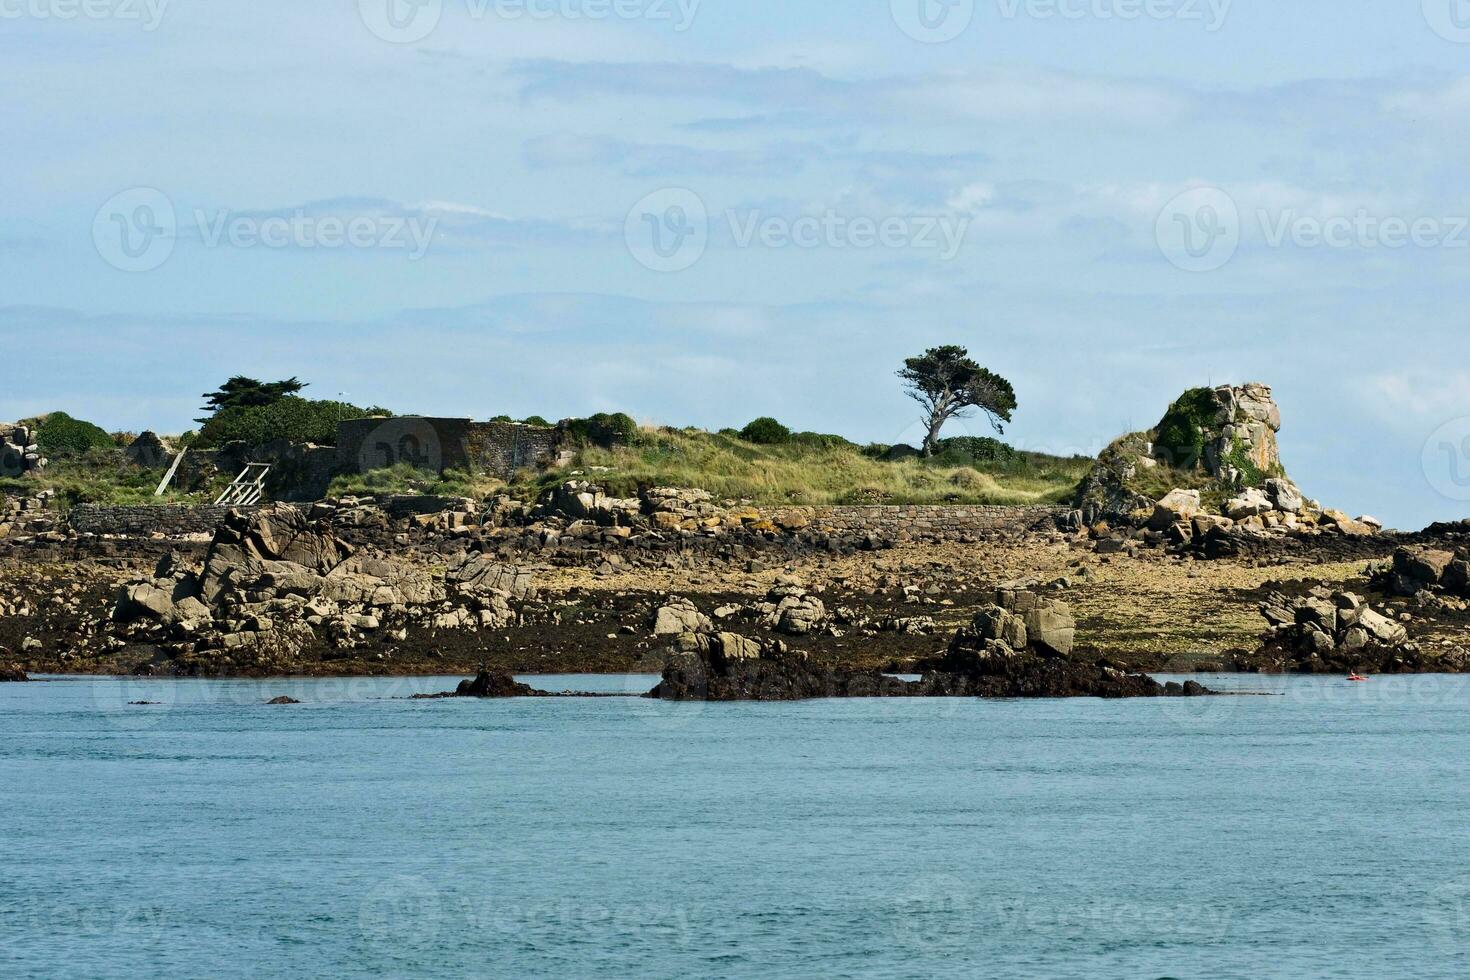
(814,474)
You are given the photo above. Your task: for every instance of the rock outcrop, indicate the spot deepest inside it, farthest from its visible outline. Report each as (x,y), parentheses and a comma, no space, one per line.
(1333,631)
(1020,646)
(1017,647)
(727,667)
(19,453)
(677,616)
(790,609)
(149,450)
(1208,475)
(486,685)
(1425,573)
(12,673)
(274,583)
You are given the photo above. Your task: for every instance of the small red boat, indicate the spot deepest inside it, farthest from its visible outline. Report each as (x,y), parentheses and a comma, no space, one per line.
(1356,677)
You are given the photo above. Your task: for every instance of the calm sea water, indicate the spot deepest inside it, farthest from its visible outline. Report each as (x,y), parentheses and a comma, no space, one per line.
(1321,833)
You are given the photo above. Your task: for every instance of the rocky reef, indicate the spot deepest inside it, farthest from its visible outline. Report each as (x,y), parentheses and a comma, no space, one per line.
(12,673)
(275,583)
(1020,646)
(728,667)
(487,685)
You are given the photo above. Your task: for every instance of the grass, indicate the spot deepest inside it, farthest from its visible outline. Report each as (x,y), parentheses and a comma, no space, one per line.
(805,471)
(406,479)
(808,474)
(102,476)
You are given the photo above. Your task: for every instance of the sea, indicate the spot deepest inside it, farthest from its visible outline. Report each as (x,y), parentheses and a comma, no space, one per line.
(1307,827)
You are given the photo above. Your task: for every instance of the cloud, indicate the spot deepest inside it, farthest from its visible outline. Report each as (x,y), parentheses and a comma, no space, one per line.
(1032,96)
(442,225)
(635,159)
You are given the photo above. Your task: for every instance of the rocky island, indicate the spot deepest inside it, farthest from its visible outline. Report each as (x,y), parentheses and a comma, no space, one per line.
(1180,549)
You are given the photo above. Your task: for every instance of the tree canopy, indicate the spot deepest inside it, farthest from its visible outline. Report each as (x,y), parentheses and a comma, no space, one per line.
(949,384)
(243,392)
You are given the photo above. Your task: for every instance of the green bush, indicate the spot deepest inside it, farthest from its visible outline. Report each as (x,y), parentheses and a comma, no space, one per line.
(536,420)
(820,440)
(291,418)
(766,431)
(607,431)
(58,434)
(978,449)
(1180,441)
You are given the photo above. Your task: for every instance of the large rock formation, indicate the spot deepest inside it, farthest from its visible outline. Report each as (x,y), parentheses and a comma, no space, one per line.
(1222,437)
(19,454)
(1425,573)
(1209,471)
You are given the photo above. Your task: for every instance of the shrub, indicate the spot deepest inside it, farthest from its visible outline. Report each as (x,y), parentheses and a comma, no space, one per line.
(59,434)
(1180,440)
(820,440)
(766,431)
(979,449)
(607,431)
(536,420)
(292,418)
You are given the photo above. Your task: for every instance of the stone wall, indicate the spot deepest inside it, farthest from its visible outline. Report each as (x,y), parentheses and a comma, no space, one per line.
(936,522)
(498,448)
(925,521)
(170,520)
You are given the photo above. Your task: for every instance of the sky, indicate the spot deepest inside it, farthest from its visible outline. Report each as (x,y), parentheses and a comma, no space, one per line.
(702,211)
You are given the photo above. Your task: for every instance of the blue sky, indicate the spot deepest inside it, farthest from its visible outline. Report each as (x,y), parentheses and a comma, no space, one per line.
(505,173)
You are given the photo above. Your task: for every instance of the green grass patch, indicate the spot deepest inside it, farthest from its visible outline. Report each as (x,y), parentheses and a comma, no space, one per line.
(405,479)
(818,472)
(104,476)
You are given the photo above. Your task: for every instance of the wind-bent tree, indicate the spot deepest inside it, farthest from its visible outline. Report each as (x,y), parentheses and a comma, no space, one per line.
(243,392)
(949,385)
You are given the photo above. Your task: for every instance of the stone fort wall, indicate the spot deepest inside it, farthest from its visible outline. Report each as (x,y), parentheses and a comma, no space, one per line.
(498,448)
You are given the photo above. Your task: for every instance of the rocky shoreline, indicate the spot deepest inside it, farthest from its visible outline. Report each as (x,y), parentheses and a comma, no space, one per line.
(347,587)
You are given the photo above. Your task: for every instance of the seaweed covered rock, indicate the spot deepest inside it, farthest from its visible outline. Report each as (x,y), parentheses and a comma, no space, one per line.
(727,667)
(487,684)
(1019,647)
(12,674)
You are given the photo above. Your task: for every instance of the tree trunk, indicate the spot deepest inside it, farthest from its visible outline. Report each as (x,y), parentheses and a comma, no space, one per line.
(931,441)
